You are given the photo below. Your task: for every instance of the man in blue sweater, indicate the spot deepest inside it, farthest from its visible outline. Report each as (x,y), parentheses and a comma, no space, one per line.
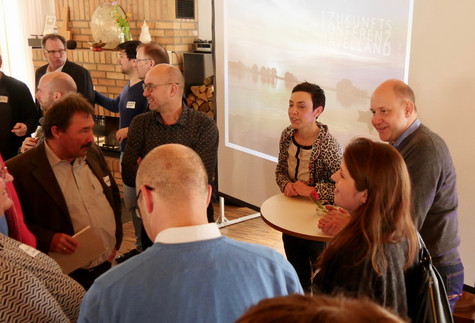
(191,273)
(434,187)
(128,104)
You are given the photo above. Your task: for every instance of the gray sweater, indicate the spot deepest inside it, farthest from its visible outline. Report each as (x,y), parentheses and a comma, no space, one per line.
(388,289)
(434,193)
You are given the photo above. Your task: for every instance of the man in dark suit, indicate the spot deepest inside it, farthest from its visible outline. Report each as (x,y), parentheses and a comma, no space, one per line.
(64,185)
(54,50)
(18,116)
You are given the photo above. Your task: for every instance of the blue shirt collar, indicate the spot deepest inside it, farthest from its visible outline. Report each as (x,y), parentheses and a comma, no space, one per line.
(406,133)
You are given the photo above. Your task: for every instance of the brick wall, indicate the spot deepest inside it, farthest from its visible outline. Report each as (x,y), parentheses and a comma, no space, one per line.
(175,35)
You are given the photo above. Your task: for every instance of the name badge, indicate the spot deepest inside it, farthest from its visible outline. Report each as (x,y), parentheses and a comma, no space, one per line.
(4,99)
(29,250)
(130,105)
(107,180)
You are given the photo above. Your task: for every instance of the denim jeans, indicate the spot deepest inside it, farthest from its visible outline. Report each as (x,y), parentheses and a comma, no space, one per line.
(452,276)
(130,201)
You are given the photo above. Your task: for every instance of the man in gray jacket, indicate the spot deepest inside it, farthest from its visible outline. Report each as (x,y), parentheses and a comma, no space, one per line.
(432,174)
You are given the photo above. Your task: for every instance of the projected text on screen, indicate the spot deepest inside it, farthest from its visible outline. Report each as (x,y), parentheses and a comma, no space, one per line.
(346,47)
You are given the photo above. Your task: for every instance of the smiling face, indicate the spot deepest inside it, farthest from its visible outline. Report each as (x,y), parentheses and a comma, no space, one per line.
(55,53)
(126,64)
(157,92)
(5,200)
(301,113)
(391,114)
(75,141)
(346,194)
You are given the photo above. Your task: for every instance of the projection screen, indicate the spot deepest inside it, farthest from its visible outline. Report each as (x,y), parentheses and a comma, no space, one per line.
(264,48)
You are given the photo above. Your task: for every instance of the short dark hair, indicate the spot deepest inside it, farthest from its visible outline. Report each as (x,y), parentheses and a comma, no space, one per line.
(130,48)
(53,37)
(156,52)
(316,92)
(62,110)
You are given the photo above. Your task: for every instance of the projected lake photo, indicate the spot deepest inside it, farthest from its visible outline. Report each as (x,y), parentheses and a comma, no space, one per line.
(334,44)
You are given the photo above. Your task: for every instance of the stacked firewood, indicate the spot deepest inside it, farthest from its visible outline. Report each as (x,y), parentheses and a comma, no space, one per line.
(201,97)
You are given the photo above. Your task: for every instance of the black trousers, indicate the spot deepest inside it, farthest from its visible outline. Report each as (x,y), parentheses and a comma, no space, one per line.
(302,253)
(146,242)
(86,277)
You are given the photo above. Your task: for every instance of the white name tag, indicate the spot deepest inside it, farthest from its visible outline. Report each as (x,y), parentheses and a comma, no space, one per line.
(130,105)
(29,250)
(4,99)
(107,180)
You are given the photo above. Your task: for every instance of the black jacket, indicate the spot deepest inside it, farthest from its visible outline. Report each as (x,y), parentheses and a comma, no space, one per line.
(80,75)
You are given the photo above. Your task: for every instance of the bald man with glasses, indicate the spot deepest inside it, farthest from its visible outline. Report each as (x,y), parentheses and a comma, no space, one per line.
(191,273)
(169,121)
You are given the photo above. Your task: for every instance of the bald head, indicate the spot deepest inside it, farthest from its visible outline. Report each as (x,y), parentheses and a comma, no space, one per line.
(173,186)
(393,109)
(176,172)
(164,91)
(401,90)
(53,86)
(168,74)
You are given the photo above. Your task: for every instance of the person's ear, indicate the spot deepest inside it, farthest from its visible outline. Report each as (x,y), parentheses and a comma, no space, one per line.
(55,131)
(57,95)
(148,199)
(210,193)
(364,197)
(173,89)
(408,108)
(318,111)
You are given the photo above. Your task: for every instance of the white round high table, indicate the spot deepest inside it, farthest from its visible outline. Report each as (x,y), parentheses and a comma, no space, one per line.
(295,216)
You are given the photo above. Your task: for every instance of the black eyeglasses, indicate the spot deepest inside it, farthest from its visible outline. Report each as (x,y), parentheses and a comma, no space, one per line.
(137,209)
(150,86)
(53,52)
(3,172)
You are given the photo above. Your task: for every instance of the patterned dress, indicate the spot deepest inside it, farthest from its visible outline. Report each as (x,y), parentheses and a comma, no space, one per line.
(33,288)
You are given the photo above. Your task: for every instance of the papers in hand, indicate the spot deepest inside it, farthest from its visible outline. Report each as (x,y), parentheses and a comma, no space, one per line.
(90,247)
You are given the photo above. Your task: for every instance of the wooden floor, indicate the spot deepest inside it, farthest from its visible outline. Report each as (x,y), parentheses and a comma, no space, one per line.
(256,231)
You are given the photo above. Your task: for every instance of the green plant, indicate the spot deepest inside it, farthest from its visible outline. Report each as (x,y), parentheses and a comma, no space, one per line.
(314,197)
(122,21)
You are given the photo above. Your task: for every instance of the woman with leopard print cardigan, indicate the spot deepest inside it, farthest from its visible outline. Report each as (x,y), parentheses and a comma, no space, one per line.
(308,156)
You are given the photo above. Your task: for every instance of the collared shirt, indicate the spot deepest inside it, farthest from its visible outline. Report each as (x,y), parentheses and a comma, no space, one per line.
(189,234)
(59,69)
(85,199)
(147,131)
(406,133)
